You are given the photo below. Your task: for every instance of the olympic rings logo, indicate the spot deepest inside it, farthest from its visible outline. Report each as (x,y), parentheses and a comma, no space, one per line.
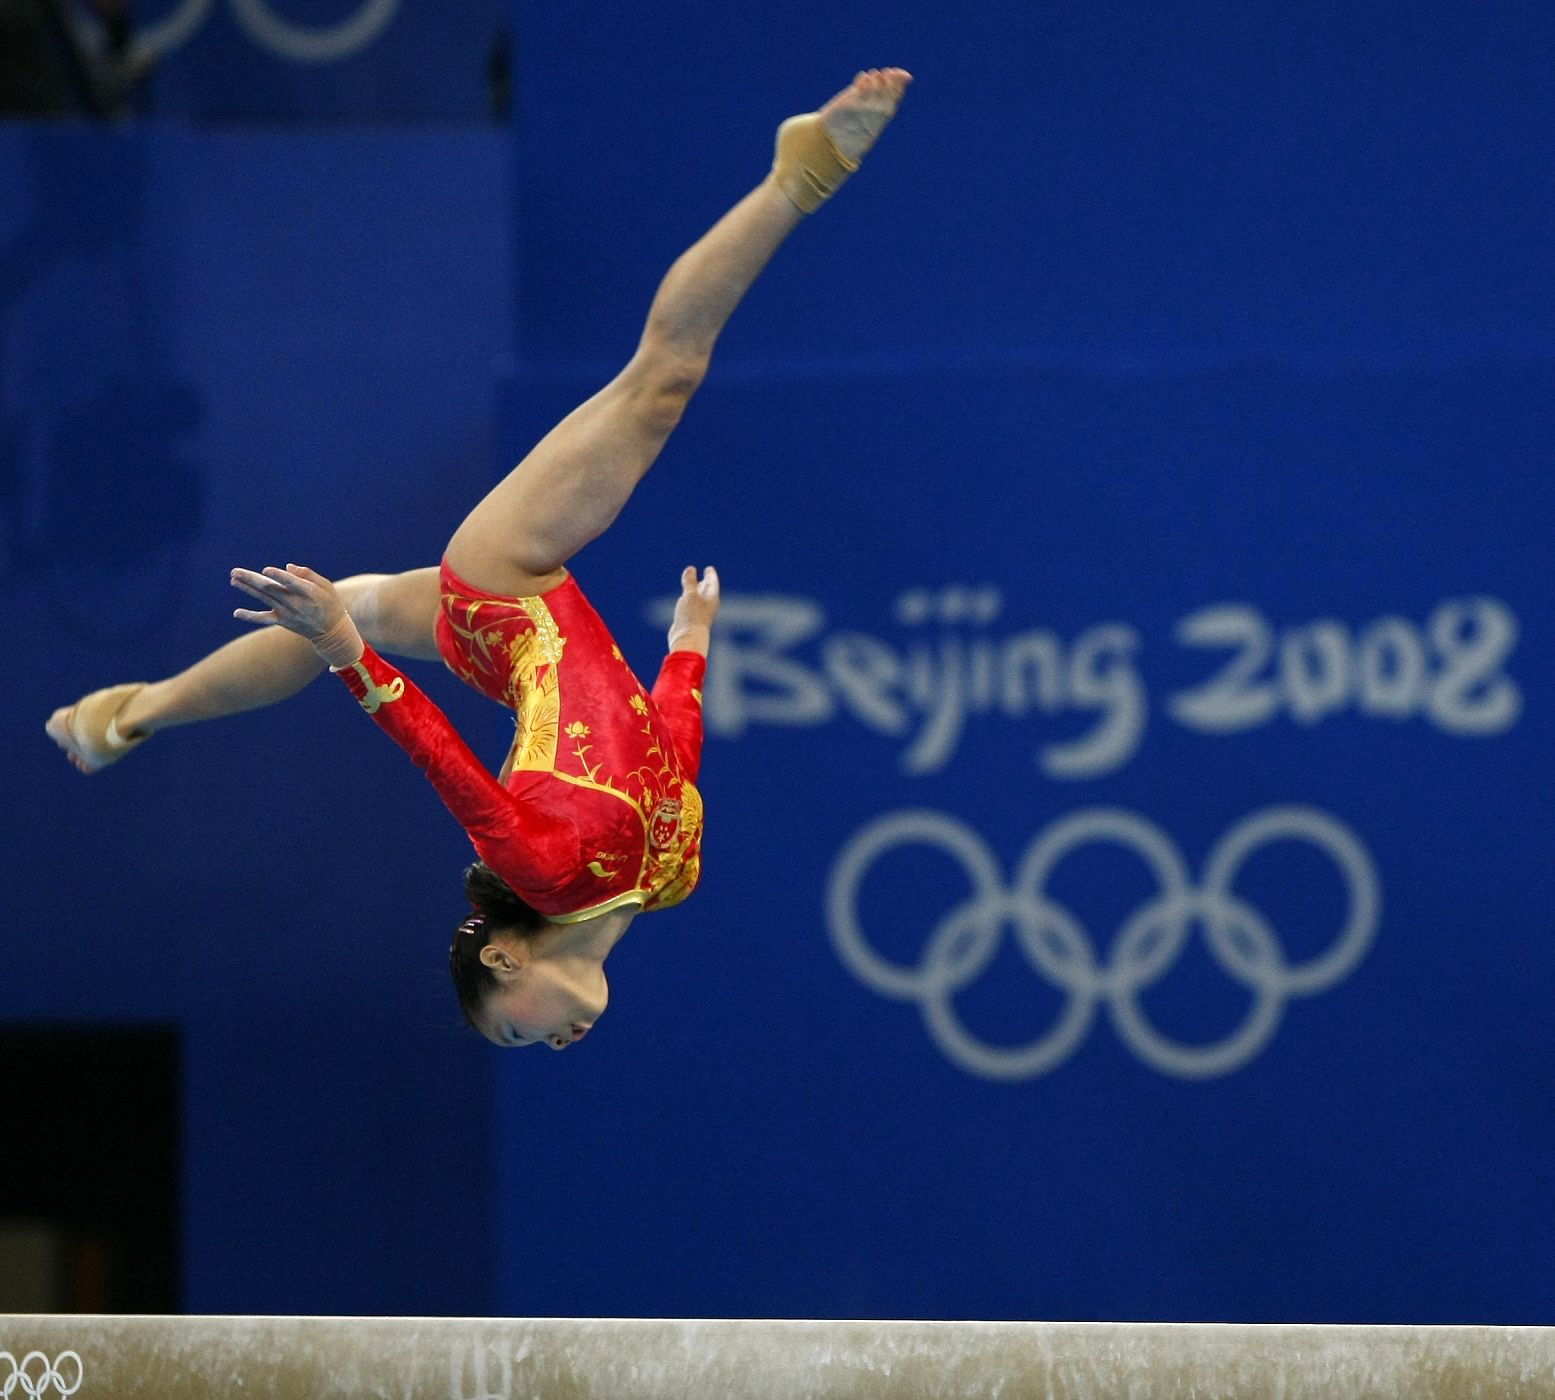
(1054,942)
(297,42)
(35,1376)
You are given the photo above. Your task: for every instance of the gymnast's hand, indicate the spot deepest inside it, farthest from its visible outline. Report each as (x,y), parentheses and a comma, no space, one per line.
(303,602)
(695,610)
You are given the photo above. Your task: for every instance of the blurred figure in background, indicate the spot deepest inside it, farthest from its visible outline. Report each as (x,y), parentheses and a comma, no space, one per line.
(62,59)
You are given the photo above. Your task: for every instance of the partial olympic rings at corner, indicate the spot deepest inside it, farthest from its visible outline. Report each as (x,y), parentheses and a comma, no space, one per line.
(35,1376)
(1052,939)
(274,34)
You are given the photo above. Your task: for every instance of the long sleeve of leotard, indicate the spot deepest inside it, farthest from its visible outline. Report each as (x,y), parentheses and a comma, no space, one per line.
(678,695)
(504,833)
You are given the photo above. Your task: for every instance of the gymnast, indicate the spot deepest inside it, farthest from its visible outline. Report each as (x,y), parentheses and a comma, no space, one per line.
(594,816)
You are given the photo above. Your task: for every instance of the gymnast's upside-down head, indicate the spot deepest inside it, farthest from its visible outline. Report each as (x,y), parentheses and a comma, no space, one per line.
(512,989)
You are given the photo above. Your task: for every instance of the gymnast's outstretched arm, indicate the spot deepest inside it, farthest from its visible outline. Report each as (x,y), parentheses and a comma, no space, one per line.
(396,613)
(523,843)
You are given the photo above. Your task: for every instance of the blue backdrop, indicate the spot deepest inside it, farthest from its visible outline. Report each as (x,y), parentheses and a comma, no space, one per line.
(222,347)
(1126,879)
(1126,884)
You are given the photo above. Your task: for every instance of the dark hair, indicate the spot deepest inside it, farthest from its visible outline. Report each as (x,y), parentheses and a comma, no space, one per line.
(497,910)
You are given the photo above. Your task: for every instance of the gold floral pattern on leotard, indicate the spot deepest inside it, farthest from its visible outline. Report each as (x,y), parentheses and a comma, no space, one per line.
(672,814)
(669,807)
(484,629)
(590,726)
(377,696)
(676,863)
(534,682)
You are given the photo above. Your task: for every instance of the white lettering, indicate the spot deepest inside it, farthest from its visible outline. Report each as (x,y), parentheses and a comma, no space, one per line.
(1103,680)
(1473,637)
(1232,700)
(868,676)
(756,681)
(775,663)
(1390,667)
(1315,666)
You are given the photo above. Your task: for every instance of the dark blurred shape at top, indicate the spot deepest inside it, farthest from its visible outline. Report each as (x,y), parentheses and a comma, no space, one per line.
(61,59)
(246,61)
(499,75)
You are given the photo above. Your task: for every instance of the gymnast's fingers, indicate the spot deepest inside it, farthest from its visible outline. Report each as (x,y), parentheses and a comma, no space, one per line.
(293,585)
(287,605)
(260,585)
(252,584)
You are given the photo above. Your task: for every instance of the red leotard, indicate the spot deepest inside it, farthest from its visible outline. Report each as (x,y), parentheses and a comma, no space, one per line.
(595,808)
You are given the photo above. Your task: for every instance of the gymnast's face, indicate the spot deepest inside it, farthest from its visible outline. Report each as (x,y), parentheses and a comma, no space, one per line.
(540,1001)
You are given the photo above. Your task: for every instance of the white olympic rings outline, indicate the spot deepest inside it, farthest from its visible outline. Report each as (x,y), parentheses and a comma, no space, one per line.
(271,32)
(50,1381)
(1238,936)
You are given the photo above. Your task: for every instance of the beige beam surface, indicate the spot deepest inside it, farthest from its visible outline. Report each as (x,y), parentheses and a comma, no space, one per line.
(316,1358)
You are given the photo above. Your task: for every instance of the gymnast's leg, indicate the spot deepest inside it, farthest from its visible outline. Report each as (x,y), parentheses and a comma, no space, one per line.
(396,614)
(575,481)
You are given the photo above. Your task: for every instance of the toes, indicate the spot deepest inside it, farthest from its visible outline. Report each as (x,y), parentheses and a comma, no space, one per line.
(58,725)
(868,81)
(58,729)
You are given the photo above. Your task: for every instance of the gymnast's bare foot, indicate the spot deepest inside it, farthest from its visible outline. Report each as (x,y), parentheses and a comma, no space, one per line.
(857,115)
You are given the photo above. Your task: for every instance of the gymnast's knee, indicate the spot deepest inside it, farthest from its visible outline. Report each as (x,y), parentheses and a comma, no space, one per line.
(664,377)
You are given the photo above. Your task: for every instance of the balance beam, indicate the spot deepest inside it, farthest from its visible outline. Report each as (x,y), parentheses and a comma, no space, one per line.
(317,1358)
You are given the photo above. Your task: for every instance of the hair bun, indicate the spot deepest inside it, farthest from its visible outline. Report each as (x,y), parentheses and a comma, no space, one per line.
(494,901)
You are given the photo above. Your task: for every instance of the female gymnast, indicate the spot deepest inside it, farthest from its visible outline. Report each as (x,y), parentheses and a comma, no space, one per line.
(594,816)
